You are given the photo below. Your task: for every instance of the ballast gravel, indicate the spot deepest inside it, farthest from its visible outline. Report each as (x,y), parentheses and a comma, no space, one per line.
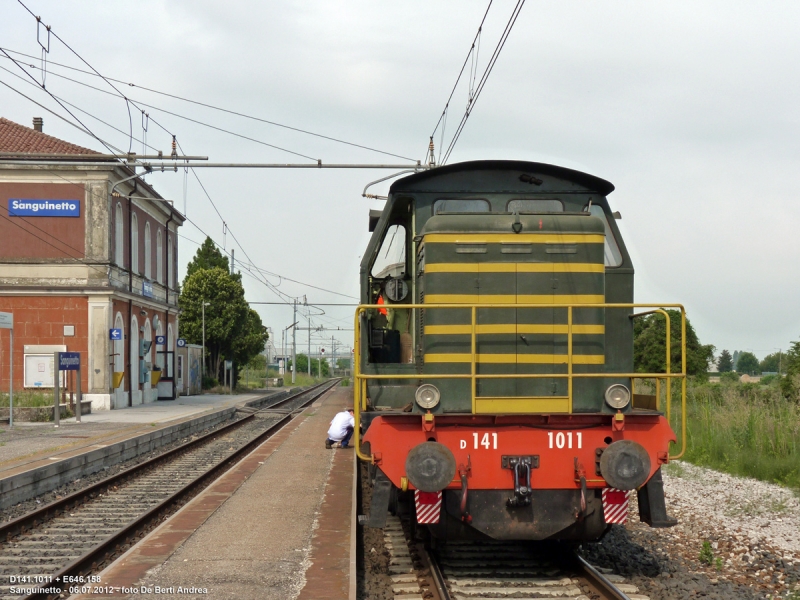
(752,534)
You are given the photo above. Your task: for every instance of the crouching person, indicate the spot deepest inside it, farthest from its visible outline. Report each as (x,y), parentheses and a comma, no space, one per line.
(341,429)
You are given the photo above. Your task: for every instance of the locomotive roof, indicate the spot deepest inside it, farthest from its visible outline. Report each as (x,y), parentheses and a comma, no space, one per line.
(590,182)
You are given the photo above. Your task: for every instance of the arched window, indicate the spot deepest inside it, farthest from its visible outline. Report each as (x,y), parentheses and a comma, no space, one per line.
(119,247)
(135,243)
(148,253)
(170,268)
(159,258)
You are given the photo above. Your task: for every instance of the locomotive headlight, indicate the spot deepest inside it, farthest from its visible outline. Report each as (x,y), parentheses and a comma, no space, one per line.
(427,395)
(618,396)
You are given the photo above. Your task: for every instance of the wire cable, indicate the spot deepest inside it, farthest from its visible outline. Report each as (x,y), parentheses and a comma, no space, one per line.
(443,116)
(50,31)
(60,104)
(96,118)
(484,78)
(225,110)
(108,145)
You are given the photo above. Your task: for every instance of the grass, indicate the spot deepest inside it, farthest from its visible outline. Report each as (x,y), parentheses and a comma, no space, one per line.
(28,399)
(743,429)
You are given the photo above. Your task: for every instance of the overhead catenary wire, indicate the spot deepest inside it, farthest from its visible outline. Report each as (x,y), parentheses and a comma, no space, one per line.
(488,71)
(213,107)
(89,131)
(88,114)
(50,31)
(443,116)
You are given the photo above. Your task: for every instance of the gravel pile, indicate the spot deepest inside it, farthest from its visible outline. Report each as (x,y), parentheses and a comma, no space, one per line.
(736,538)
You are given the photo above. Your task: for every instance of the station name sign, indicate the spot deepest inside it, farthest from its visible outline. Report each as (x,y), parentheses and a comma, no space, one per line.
(25,207)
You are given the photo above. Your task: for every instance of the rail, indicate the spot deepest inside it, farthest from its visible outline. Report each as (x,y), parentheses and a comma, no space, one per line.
(360,379)
(104,551)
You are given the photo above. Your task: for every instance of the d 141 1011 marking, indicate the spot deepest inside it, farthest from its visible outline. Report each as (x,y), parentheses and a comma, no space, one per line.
(555,439)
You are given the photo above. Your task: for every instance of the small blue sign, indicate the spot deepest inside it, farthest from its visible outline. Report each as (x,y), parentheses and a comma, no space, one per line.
(69,361)
(181,343)
(25,207)
(161,340)
(115,334)
(147,289)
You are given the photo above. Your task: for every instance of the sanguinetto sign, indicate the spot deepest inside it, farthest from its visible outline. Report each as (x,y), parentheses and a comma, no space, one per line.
(26,207)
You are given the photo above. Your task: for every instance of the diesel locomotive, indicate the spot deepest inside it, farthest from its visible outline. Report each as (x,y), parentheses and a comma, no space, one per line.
(494,377)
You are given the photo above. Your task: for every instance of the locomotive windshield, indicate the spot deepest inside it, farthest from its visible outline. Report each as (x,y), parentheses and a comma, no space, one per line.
(461,205)
(539,205)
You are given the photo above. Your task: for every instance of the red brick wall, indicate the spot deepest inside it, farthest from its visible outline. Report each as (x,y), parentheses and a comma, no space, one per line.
(40,320)
(42,237)
(142,219)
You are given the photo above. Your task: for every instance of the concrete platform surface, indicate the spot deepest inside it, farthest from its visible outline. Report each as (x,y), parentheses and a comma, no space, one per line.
(28,444)
(277,528)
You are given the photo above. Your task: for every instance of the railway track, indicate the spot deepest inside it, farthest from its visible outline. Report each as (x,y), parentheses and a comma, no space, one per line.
(484,570)
(78,534)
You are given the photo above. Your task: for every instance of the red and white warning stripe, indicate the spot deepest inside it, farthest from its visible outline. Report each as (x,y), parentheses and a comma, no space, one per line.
(428,505)
(615,505)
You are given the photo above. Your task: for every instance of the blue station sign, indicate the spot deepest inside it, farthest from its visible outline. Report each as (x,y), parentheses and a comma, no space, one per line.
(115,334)
(161,340)
(25,207)
(69,361)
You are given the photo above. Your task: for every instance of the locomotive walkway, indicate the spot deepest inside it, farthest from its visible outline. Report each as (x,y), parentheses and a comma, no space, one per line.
(277,525)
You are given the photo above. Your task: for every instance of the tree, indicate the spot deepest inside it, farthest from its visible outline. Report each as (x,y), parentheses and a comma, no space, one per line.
(790,384)
(250,342)
(342,363)
(649,345)
(233,330)
(207,256)
(748,363)
(774,363)
(736,354)
(302,363)
(725,362)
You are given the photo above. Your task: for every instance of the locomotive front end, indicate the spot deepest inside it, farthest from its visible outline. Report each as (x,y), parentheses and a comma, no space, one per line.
(494,358)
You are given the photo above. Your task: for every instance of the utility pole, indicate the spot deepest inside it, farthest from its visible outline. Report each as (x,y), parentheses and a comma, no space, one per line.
(232,261)
(203,367)
(309,343)
(294,342)
(333,360)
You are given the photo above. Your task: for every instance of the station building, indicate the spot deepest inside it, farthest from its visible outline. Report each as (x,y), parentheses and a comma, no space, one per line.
(88,263)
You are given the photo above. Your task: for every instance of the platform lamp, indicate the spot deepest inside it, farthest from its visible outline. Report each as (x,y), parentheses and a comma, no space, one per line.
(203,360)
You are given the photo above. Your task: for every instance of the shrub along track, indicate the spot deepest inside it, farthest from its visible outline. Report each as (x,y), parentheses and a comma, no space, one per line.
(80,533)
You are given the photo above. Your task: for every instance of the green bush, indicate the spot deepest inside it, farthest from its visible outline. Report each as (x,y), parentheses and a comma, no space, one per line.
(744,429)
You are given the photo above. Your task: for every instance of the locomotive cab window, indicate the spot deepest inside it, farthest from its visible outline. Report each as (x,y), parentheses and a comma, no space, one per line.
(461,205)
(391,258)
(389,327)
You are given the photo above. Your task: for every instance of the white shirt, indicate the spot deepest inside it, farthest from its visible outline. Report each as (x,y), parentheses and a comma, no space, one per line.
(339,426)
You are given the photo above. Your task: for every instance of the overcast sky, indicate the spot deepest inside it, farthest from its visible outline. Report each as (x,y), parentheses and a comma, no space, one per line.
(689,108)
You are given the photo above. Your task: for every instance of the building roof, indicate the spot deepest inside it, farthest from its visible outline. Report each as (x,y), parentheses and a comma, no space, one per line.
(17,138)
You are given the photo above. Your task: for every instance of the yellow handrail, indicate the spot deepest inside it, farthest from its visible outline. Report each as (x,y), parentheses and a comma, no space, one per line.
(360,379)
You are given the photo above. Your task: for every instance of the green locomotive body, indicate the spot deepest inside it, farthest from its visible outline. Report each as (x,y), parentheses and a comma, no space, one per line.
(497,304)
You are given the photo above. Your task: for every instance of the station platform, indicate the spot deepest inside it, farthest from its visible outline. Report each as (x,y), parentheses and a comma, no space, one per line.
(28,442)
(279,525)
(37,457)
